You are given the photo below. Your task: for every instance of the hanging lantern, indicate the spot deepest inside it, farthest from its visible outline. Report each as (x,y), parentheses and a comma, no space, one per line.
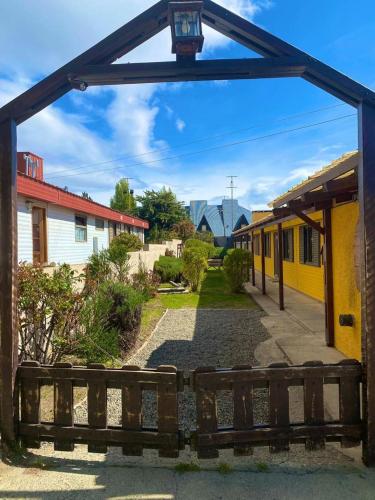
(186,26)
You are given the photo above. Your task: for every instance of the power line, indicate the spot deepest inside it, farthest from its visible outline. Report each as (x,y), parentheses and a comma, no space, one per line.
(215,148)
(202,139)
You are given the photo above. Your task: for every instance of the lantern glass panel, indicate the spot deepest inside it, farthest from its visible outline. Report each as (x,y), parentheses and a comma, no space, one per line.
(186,24)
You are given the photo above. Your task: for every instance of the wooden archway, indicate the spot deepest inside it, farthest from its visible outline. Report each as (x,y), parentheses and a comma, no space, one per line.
(93,67)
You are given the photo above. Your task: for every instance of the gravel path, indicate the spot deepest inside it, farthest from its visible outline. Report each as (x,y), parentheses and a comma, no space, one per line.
(187,339)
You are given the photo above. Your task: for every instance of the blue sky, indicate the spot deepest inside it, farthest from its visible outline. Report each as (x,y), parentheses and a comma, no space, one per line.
(182,135)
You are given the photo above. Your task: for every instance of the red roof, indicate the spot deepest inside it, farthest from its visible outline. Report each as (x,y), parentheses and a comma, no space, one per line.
(40,190)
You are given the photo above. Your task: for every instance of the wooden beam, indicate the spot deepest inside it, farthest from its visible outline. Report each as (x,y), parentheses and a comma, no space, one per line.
(221,69)
(8,273)
(328,279)
(366,184)
(116,45)
(281,270)
(262,240)
(252,259)
(268,45)
(315,225)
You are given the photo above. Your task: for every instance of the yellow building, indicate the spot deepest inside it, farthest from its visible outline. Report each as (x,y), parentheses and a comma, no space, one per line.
(316,223)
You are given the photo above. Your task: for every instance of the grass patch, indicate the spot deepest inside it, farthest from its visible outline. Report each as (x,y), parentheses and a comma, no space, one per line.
(182,468)
(224,468)
(214,294)
(261,467)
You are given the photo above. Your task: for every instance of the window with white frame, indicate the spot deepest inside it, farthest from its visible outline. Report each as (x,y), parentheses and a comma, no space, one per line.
(99,224)
(81,228)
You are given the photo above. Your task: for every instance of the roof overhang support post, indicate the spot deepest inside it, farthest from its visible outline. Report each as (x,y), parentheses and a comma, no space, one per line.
(366,184)
(281,271)
(262,240)
(328,279)
(8,277)
(252,260)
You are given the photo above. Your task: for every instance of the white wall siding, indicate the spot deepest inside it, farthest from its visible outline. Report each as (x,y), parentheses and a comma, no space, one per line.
(24,223)
(62,246)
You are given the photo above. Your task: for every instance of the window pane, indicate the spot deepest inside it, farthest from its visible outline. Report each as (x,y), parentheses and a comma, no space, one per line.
(99,224)
(81,220)
(81,234)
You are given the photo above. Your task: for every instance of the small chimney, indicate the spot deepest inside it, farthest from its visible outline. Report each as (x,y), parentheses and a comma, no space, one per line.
(30,164)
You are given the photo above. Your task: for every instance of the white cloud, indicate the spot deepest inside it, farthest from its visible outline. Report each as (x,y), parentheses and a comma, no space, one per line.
(180,124)
(52,34)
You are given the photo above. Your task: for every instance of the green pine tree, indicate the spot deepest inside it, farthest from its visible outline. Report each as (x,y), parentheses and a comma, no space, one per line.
(123,199)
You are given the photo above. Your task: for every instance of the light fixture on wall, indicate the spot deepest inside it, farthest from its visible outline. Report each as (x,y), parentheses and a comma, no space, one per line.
(29,205)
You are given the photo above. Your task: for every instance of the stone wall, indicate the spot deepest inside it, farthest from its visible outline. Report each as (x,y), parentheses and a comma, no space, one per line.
(148,256)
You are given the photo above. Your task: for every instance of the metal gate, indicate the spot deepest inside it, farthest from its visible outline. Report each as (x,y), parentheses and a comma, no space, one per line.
(208,436)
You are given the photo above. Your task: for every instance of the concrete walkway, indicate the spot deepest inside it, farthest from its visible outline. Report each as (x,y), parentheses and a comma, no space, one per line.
(89,480)
(298,332)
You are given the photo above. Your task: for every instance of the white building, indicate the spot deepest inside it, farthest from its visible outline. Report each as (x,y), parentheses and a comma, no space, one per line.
(56,226)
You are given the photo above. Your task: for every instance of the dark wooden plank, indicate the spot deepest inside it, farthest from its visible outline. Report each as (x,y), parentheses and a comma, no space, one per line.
(221,377)
(295,433)
(206,412)
(281,267)
(279,408)
(8,285)
(266,44)
(219,69)
(350,403)
(84,434)
(315,225)
(242,411)
(119,43)
(168,412)
(112,377)
(97,408)
(328,279)
(30,405)
(252,260)
(366,192)
(63,407)
(313,398)
(132,411)
(263,265)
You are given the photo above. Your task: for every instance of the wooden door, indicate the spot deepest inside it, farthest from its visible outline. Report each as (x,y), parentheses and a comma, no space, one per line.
(39,235)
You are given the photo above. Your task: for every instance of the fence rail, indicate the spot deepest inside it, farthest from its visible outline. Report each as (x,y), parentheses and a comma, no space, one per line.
(132,381)
(275,381)
(279,432)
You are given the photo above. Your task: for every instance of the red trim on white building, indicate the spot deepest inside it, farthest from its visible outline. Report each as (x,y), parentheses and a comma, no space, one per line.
(42,191)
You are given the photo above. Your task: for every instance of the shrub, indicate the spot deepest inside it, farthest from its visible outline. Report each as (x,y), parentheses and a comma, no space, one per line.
(194,265)
(111,321)
(146,282)
(98,269)
(183,230)
(205,236)
(237,268)
(218,253)
(130,242)
(168,268)
(48,310)
(201,246)
(119,259)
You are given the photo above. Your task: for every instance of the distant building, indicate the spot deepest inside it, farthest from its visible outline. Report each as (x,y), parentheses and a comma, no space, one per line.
(221,220)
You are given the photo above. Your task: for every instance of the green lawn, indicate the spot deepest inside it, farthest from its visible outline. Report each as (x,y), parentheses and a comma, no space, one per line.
(214,293)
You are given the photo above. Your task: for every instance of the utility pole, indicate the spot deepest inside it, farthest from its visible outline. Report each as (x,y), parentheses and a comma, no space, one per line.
(232,187)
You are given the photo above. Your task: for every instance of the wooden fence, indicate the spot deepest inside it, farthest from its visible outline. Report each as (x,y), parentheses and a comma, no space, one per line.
(242,382)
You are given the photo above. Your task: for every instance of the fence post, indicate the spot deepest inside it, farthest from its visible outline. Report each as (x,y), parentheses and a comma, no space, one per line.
(8,269)
(366,191)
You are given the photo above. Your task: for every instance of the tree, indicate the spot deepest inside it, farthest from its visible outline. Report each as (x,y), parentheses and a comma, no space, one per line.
(184,229)
(206,236)
(123,199)
(162,210)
